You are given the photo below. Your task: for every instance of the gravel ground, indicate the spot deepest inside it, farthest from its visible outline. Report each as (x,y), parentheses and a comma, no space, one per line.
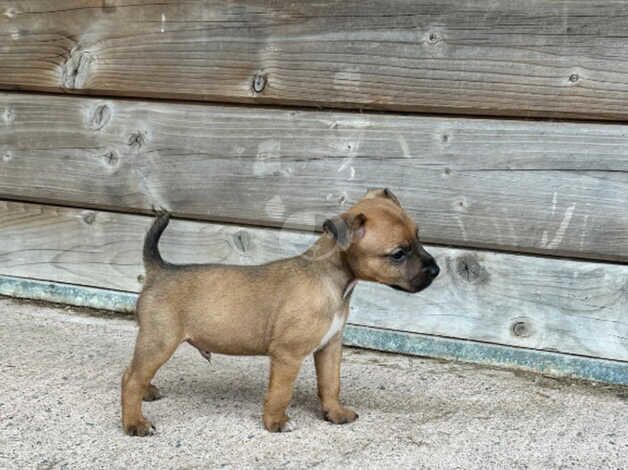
(59,408)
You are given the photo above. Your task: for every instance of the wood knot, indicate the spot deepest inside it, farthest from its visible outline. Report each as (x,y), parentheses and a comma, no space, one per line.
(259,82)
(242,241)
(100,117)
(8,116)
(10,12)
(140,278)
(460,205)
(137,140)
(521,328)
(89,218)
(469,268)
(433,37)
(574,77)
(110,158)
(74,71)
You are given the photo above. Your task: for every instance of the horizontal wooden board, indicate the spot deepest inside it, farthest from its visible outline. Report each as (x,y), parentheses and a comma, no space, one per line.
(531,360)
(546,58)
(539,303)
(554,188)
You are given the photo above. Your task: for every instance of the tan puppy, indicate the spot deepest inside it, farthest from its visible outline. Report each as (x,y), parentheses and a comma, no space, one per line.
(286,309)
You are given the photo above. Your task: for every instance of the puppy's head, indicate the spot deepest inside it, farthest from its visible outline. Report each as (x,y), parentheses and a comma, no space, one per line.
(381,243)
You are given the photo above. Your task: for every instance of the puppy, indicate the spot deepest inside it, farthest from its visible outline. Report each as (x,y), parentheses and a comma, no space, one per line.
(286,309)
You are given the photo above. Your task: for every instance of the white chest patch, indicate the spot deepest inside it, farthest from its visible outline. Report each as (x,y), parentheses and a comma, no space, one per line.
(336,325)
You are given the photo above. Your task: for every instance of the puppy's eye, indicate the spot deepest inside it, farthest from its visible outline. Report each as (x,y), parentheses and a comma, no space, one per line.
(398,254)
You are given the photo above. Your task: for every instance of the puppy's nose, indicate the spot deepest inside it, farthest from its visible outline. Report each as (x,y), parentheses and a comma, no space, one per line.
(431,270)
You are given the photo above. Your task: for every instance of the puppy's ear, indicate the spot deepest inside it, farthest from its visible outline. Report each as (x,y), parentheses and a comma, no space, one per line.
(345,229)
(383,192)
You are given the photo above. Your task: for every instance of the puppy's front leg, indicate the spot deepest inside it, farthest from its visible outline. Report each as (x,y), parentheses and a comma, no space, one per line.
(327,361)
(283,373)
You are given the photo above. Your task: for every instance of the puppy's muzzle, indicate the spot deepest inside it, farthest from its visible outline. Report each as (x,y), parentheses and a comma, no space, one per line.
(431,270)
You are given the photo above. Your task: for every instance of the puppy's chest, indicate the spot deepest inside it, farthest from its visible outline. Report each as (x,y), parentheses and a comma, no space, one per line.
(336,325)
(338,309)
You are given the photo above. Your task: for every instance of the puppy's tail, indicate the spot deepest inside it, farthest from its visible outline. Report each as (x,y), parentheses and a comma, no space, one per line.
(152,258)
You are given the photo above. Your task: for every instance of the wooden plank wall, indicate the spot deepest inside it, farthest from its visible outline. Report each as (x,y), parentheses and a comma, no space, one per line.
(537,303)
(80,174)
(548,58)
(526,186)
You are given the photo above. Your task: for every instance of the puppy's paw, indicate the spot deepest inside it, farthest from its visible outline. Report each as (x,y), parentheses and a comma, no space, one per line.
(142,428)
(152,393)
(279,425)
(340,415)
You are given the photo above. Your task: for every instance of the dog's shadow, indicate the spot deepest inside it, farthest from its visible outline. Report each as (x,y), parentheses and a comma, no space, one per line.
(225,386)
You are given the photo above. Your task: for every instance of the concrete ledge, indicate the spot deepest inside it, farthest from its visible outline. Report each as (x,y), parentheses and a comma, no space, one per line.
(82,296)
(548,363)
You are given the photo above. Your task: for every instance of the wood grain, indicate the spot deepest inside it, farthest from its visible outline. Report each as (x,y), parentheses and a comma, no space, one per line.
(546,58)
(540,303)
(558,188)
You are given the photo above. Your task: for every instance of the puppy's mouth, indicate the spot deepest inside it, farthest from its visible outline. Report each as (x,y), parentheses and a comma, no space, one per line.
(412,290)
(397,287)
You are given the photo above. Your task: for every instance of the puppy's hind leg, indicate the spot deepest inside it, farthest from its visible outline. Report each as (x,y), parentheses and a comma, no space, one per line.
(155,345)
(152,393)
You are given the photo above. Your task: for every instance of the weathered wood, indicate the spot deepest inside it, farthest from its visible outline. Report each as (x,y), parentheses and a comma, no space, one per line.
(556,188)
(547,363)
(549,58)
(539,303)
